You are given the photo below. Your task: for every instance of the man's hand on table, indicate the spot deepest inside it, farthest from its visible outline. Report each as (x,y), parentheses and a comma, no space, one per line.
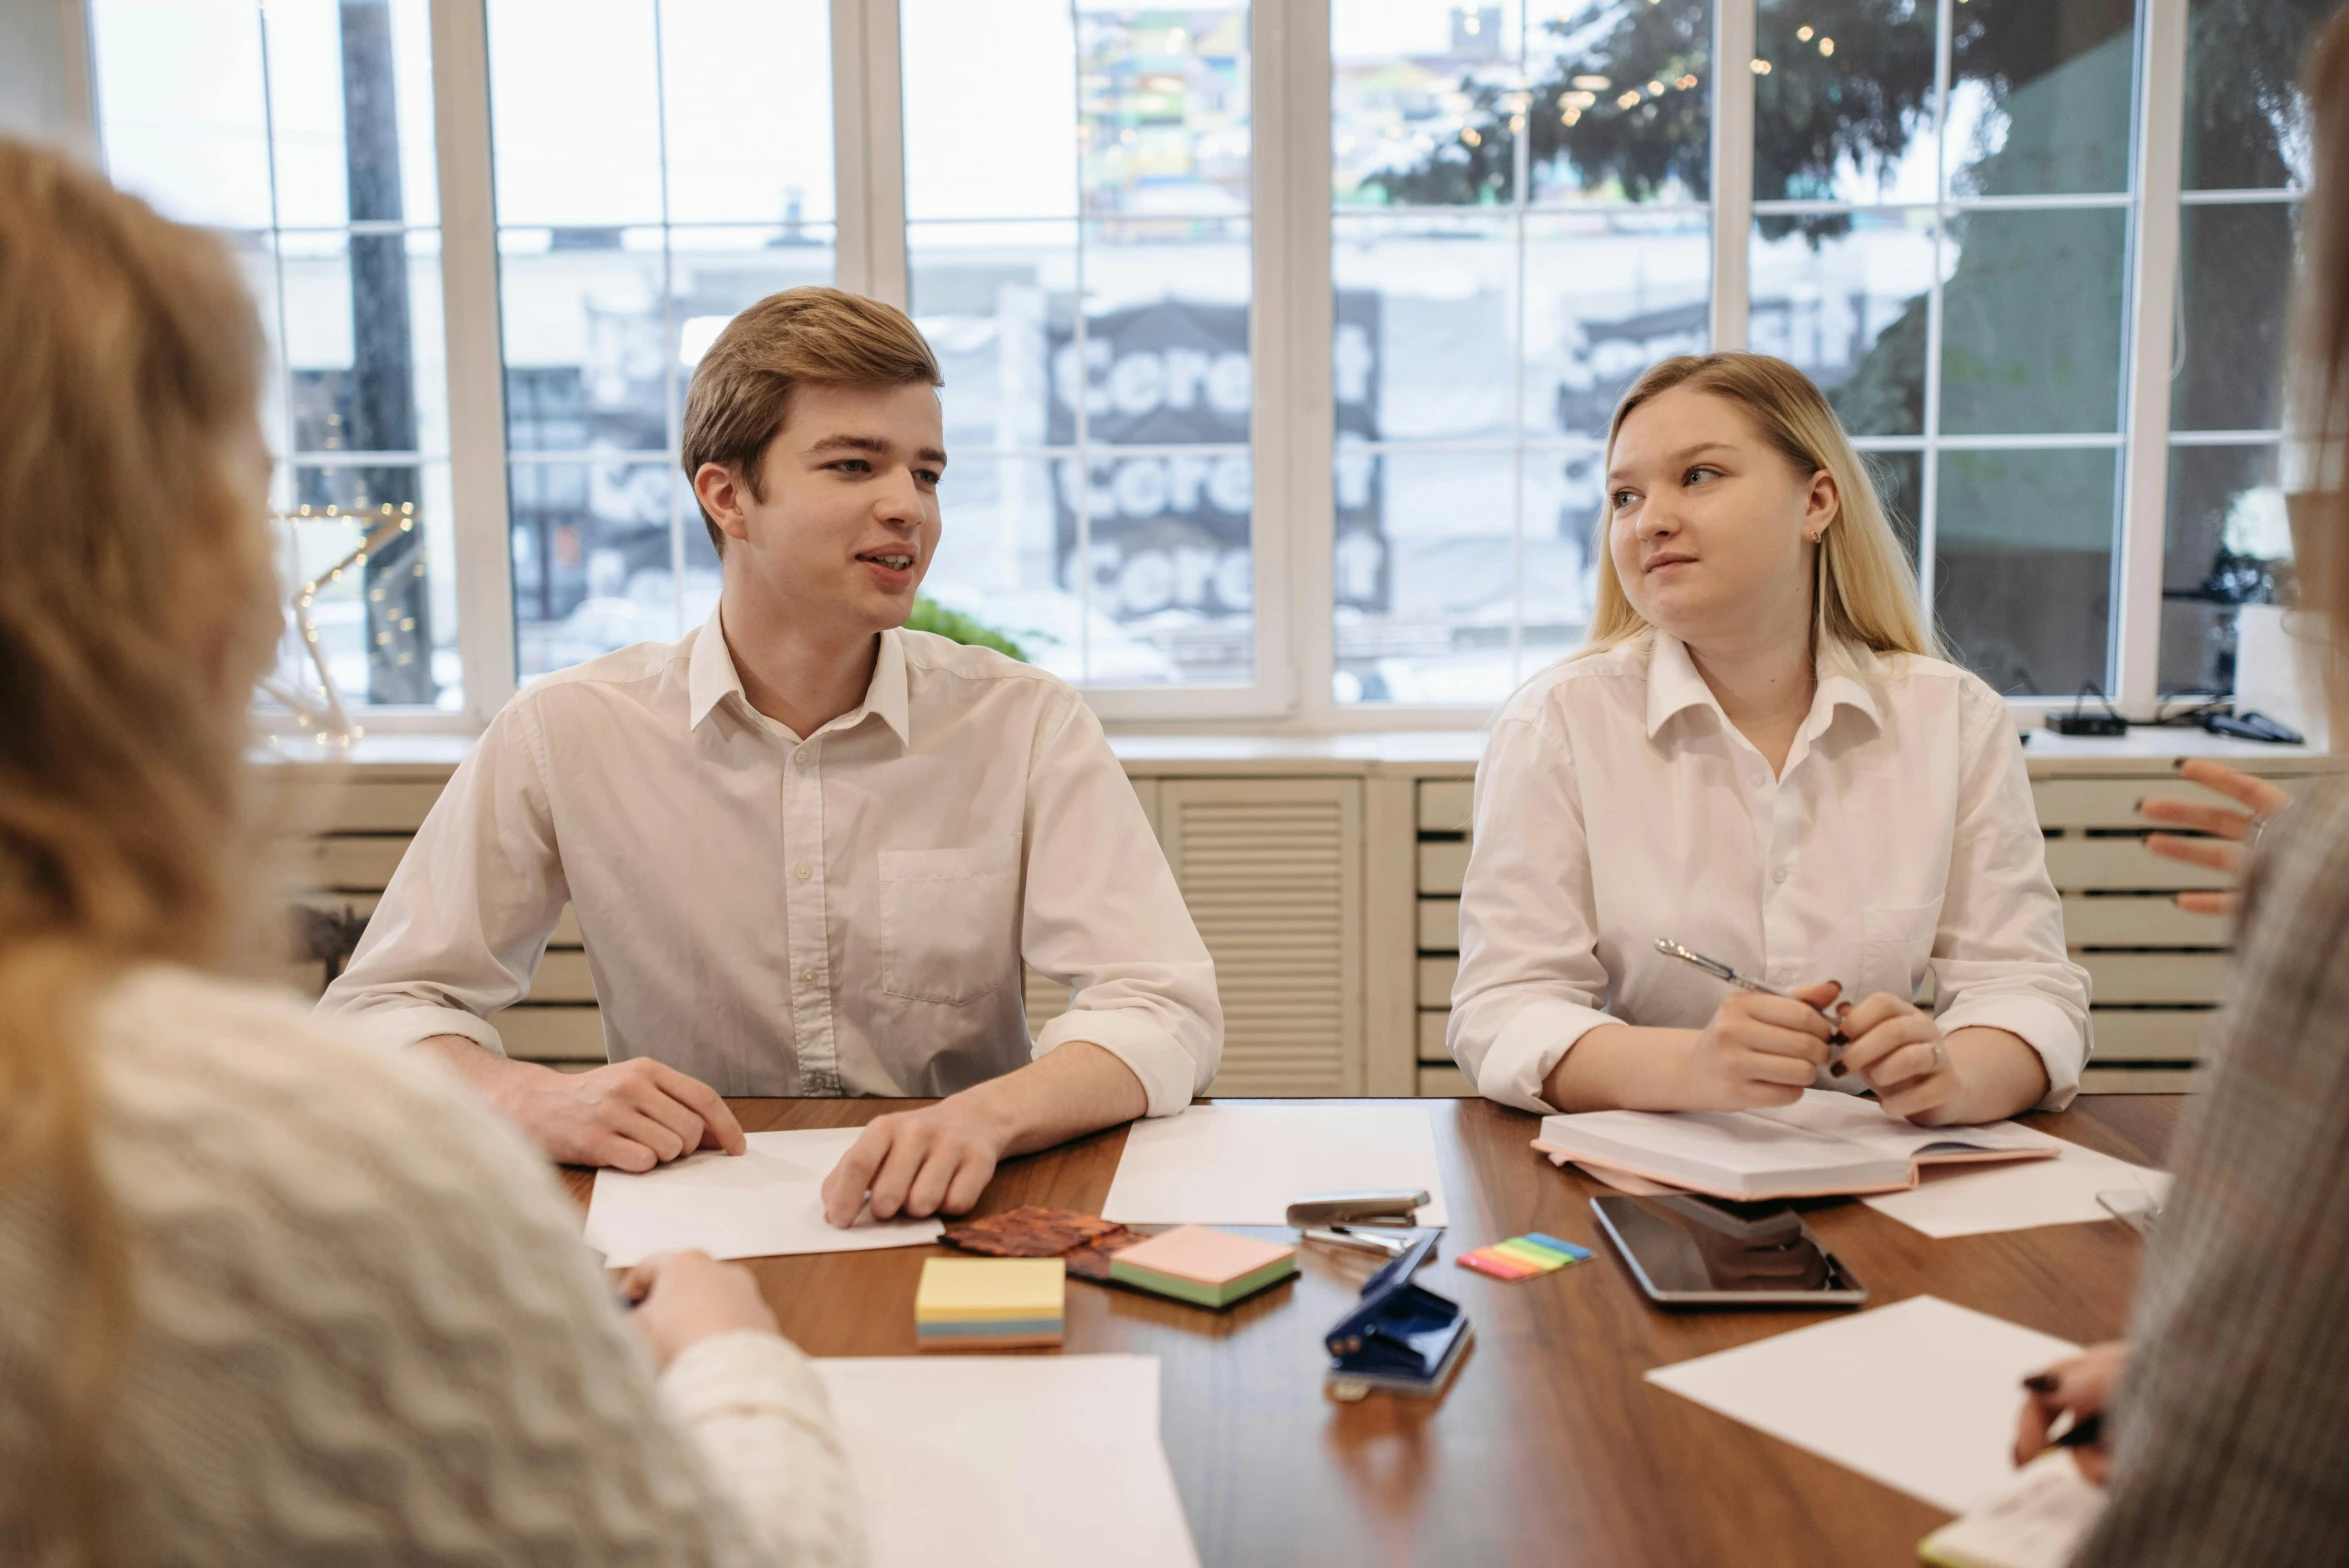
(631,1115)
(939,1159)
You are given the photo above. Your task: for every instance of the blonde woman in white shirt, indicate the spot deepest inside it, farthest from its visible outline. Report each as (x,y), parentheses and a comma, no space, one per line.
(1763,756)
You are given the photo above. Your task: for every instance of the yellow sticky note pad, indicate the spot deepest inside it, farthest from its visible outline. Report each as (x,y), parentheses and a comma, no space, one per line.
(989,1290)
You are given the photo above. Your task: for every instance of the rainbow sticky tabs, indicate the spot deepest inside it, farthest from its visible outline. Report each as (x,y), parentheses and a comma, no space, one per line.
(1498,1264)
(1527,1253)
(1523,1257)
(1568,1249)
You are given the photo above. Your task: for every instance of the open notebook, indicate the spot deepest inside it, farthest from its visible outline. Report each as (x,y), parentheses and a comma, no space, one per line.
(1825,1144)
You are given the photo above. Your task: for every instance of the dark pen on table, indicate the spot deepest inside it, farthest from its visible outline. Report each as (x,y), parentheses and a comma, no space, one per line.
(1721,971)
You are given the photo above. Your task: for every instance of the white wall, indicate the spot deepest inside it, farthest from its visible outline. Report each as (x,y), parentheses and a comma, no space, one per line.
(45,73)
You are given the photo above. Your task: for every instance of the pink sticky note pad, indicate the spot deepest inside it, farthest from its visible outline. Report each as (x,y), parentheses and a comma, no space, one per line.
(1196,1252)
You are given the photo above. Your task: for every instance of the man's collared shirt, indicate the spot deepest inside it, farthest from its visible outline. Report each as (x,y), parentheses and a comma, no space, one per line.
(844,913)
(1617,804)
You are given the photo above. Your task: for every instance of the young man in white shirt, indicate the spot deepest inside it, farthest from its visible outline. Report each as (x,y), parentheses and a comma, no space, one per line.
(807,849)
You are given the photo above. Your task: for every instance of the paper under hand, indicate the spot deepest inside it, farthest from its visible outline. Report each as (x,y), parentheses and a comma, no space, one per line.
(761,1204)
(1920,1395)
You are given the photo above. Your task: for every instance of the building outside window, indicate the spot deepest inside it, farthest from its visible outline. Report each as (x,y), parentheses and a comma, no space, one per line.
(641,202)
(2246,158)
(1078,232)
(1519,229)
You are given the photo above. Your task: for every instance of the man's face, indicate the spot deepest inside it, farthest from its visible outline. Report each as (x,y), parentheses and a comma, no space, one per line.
(847,520)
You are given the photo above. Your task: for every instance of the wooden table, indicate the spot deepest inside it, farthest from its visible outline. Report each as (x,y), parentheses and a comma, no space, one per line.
(1549,1448)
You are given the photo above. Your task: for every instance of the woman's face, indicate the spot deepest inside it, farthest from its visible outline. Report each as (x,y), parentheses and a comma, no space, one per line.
(1707,522)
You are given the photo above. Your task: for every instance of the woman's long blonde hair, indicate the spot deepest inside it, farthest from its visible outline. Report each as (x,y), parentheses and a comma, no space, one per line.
(1863,593)
(136,597)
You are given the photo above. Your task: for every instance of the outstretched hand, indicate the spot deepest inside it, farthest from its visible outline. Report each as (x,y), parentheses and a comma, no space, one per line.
(2228,827)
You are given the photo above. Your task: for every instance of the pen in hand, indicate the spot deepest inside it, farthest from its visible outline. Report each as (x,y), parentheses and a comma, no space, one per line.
(1721,971)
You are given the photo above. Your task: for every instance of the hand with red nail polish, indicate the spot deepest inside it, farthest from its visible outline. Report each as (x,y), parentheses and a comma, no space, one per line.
(2081,1387)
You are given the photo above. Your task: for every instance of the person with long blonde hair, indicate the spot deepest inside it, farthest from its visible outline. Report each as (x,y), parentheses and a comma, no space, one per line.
(1763,756)
(267,1297)
(2224,1420)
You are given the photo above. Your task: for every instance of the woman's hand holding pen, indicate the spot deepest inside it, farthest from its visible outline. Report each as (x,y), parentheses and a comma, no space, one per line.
(1898,1051)
(2079,1387)
(1758,1050)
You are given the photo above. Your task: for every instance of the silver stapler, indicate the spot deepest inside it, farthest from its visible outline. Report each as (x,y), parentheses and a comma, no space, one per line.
(1336,1218)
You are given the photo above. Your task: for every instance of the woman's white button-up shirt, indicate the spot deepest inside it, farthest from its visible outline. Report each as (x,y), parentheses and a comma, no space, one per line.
(1617,804)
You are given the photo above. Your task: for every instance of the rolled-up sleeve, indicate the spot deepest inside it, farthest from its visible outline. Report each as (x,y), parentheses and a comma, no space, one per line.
(464,923)
(1998,956)
(1530,983)
(1103,916)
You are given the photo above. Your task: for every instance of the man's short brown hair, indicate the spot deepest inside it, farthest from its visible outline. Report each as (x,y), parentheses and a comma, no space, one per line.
(741,390)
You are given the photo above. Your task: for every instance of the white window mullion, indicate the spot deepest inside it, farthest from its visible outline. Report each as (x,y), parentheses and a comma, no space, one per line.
(2153,295)
(1733,168)
(477,402)
(1293,318)
(868,150)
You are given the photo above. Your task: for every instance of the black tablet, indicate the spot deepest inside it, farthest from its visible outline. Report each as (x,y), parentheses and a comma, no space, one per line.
(1692,1252)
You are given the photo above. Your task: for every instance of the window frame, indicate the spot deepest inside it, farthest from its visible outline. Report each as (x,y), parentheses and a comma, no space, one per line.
(1291,322)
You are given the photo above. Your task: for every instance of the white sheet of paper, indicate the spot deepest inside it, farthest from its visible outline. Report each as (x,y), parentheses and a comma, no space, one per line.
(762,1204)
(1010,1461)
(1920,1395)
(1961,1200)
(1245,1164)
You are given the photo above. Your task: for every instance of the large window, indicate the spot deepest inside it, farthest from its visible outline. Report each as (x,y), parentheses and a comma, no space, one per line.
(1077,201)
(1229,442)
(1519,229)
(1942,217)
(660,164)
(2245,160)
(302,132)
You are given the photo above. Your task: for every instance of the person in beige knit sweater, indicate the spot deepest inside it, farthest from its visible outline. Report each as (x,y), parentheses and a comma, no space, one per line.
(267,1297)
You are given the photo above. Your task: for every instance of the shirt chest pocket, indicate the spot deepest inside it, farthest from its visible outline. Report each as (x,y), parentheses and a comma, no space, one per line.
(1896,945)
(949,921)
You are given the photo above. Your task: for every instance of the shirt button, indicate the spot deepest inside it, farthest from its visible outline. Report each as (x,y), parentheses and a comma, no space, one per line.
(800,756)
(1778,875)
(803,871)
(807,977)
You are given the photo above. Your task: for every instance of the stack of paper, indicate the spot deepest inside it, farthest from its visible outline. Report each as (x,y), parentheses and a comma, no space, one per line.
(1009,1461)
(1823,1144)
(989,1303)
(2040,1523)
(1209,1268)
(1245,1164)
(2061,1191)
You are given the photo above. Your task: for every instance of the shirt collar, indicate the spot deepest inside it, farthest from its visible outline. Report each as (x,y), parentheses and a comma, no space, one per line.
(1674,686)
(711,677)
